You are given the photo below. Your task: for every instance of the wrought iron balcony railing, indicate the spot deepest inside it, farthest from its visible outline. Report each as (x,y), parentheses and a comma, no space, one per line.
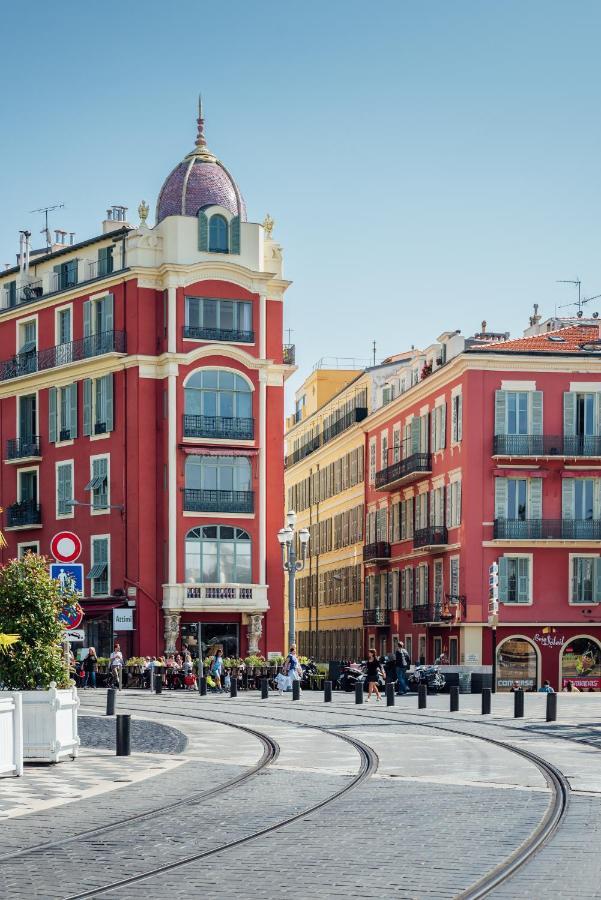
(329,433)
(376,617)
(26,512)
(230,429)
(405,470)
(546,445)
(62,354)
(199,333)
(433,536)
(204,500)
(20,448)
(377,551)
(451,609)
(582,445)
(289,354)
(547,529)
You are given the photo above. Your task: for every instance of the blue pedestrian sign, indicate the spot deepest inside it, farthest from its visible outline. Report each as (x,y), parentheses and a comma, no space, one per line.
(69,577)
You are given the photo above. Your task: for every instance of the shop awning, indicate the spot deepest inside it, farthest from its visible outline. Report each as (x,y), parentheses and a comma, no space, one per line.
(97,570)
(212,451)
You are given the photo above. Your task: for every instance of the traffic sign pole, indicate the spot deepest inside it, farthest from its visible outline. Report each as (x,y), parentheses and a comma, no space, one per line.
(493,618)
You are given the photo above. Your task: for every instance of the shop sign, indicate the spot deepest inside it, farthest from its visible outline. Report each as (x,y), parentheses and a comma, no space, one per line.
(516,661)
(549,640)
(123,620)
(581,664)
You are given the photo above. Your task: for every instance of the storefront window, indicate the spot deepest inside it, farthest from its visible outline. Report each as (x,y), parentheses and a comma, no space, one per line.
(516,661)
(99,633)
(581,664)
(215,635)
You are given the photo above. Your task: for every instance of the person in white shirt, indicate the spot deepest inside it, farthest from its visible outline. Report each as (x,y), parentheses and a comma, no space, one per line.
(116,664)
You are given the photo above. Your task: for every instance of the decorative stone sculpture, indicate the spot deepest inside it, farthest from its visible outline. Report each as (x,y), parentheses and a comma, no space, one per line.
(255,630)
(171,630)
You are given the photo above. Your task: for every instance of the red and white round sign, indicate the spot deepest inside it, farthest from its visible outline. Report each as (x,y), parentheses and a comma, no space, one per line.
(65,546)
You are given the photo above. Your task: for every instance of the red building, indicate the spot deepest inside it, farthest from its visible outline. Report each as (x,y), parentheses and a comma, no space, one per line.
(491,452)
(141,407)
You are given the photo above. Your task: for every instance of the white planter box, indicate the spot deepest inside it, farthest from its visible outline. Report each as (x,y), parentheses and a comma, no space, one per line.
(49,723)
(11,735)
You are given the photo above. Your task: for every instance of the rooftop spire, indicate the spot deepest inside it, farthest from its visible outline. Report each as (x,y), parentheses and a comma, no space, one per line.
(200,137)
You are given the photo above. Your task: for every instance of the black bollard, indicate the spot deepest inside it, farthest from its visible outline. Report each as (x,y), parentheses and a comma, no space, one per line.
(358,692)
(111,696)
(454,697)
(233,687)
(518,704)
(390,694)
(327,692)
(124,735)
(422,696)
(158,684)
(486,698)
(202,686)
(264,688)
(244,680)
(551,707)
(296,690)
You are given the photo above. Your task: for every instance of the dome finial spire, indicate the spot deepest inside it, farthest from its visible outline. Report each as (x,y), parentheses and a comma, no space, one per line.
(200,137)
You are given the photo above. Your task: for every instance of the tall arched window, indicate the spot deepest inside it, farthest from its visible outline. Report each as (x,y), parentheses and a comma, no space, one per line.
(218,473)
(218,554)
(218,242)
(215,392)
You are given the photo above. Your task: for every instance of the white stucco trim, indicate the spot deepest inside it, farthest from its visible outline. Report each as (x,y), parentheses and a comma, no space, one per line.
(171,319)
(262,477)
(172,476)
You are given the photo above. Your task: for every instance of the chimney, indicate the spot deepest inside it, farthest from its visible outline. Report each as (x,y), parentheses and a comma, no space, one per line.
(483,331)
(116,218)
(535,319)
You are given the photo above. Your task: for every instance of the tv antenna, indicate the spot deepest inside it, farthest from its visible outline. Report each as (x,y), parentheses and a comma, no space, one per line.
(581,300)
(46,230)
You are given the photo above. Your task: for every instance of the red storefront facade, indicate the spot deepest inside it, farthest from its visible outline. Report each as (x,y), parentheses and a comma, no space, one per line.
(493,456)
(142,378)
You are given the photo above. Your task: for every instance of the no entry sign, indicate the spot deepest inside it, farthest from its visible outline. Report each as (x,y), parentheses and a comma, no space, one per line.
(65,546)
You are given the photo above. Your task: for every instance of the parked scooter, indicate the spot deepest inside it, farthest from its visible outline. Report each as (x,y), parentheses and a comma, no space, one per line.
(350,675)
(431,676)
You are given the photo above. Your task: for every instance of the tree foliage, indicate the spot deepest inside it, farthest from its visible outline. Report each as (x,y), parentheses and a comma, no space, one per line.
(30,602)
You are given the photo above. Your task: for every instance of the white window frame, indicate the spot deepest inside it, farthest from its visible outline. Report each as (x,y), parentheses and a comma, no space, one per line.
(529,556)
(384,435)
(101,512)
(408,642)
(373,456)
(28,545)
(372,642)
(457,433)
(451,561)
(57,465)
(96,537)
(25,321)
(22,471)
(58,442)
(18,411)
(57,312)
(571,557)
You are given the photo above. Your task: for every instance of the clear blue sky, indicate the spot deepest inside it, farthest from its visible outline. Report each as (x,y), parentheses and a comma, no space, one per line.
(428,165)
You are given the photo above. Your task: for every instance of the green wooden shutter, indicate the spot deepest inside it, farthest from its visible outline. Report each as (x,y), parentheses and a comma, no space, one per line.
(203,231)
(569,413)
(426,572)
(108,305)
(500,412)
(523,580)
(500,498)
(87,318)
(235,235)
(108,394)
(596,498)
(535,499)
(87,406)
(73,410)
(459,417)
(434,428)
(568,498)
(458,504)
(536,412)
(415,430)
(597,580)
(52,415)
(574,579)
(598,414)
(442,437)
(503,581)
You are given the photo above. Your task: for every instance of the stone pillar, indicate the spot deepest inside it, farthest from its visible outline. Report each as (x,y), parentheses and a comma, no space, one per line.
(171,629)
(255,630)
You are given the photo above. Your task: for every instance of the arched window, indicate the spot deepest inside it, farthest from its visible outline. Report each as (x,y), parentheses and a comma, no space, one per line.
(218,242)
(218,473)
(218,554)
(215,392)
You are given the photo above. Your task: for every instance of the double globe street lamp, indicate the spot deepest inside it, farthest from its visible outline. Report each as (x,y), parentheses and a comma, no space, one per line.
(292,565)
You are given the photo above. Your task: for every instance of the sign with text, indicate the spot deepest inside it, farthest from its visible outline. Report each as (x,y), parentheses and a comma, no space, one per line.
(123,620)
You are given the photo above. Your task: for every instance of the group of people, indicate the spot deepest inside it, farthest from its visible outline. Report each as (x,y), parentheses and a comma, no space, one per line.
(392,669)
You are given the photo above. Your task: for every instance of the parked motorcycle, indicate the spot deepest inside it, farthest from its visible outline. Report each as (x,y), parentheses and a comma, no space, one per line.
(308,668)
(350,675)
(431,676)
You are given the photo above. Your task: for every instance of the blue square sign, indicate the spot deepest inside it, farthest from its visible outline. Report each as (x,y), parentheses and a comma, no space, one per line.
(69,576)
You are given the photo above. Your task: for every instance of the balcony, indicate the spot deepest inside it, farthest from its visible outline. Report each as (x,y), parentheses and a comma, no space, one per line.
(289,354)
(376,617)
(204,500)
(27,447)
(412,468)
(62,354)
(56,283)
(434,537)
(547,529)
(219,427)
(338,426)
(376,552)
(541,445)
(23,514)
(248,598)
(195,332)
(445,612)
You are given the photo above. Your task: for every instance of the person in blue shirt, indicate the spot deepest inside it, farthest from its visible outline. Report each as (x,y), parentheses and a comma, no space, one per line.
(217,669)
(546,689)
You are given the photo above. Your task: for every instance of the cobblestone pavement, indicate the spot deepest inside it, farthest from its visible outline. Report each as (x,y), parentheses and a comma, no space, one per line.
(441,810)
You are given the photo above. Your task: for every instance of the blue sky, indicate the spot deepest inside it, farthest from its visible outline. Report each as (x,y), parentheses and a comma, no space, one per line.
(428,165)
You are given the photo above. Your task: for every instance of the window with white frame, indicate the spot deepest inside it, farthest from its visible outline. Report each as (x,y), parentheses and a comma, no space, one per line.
(393,600)
(395,522)
(407,588)
(438,583)
(63,326)
(384,449)
(396,443)
(99,483)
(28,336)
(421,584)
(515,577)
(407,519)
(62,413)
(518,412)
(454,576)
(382,525)
(421,511)
(585,572)
(518,499)
(456,418)
(409,645)
(439,427)
(454,504)
(64,489)
(372,460)
(212,319)
(98,405)
(437,507)
(23,549)
(99,572)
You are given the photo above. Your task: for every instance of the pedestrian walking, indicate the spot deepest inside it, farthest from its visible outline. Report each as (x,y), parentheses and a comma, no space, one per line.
(116,665)
(90,667)
(217,669)
(402,665)
(374,670)
(292,667)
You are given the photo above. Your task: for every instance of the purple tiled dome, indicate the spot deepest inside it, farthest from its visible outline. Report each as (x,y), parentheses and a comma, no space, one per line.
(199,180)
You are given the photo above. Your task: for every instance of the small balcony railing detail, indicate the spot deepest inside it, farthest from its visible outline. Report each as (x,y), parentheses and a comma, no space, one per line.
(451,609)
(546,445)
(62,354)
(23,447)
(230,429)
(289,354)
(329,433)
(26,512)
(410,468)
(376,551)
(433,536)
(198,333)
(547,529)
(376,617)
(204,500)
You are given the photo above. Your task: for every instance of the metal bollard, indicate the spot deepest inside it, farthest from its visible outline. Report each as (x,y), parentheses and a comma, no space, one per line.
(158,684)
(327,692)
(202,686)
(359,692)
(551,707)
(422,696)
(486,699)
(124,735)
(390,694)
(454,698)
(111,697)
(264,688)
(245,680)
(296,690)
(518,704)
(233,687)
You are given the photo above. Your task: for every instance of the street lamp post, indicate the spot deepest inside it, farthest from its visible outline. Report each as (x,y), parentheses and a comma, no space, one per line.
(292,565)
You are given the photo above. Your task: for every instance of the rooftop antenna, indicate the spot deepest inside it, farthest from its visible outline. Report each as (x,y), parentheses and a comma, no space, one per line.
(374,352)
(46,230)
(581,300)
(289,333)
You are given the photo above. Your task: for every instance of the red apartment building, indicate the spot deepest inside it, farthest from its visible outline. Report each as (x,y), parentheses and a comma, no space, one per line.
(491,452)
(141,407)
